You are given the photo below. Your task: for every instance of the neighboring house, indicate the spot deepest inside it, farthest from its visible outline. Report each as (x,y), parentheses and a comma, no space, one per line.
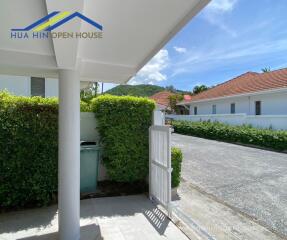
(187,97)
(182,109)
(241,98)
(162,100)
(250,93)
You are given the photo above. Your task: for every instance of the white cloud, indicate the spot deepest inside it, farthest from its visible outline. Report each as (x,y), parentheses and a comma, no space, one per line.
(180,49)
(221,5)
(215,11)
(244,51)
(152,71)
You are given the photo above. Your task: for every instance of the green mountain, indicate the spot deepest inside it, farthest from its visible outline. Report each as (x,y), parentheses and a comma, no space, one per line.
(143,90)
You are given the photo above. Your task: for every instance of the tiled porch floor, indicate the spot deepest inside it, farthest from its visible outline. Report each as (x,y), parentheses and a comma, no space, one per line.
(131,217)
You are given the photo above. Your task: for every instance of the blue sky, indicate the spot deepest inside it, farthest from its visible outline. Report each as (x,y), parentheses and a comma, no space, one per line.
(228,38)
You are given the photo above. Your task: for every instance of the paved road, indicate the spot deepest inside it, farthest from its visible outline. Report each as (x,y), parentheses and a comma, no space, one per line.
(251,180)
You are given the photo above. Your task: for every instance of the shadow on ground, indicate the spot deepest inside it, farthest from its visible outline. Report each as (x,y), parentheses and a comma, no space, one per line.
(128,217)
(92,231)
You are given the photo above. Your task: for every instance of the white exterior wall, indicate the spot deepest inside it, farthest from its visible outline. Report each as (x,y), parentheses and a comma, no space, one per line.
(273,110)
(222,106)
(16,85)
(21,86)
(51,87)
(271,104)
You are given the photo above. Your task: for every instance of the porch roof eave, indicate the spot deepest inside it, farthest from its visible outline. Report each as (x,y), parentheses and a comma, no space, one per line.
(133,32)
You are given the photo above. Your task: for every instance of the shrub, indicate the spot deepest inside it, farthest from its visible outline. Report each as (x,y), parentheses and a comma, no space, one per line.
(123,124)
(173,100)
(85,107)
(245,134)
(176,160)
(28,150)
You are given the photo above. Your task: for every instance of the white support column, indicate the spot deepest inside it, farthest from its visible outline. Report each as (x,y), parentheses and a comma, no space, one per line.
(69,155)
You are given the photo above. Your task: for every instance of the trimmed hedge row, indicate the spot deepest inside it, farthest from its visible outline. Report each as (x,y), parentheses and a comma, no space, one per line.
(276,140)
(123,124)
(28,150)
(176,160)
(29,145)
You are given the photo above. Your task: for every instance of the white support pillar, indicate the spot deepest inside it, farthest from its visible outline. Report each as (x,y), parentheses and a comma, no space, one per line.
(69,155)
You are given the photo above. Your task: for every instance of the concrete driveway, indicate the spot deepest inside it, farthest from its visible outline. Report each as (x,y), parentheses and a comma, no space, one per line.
(247,180)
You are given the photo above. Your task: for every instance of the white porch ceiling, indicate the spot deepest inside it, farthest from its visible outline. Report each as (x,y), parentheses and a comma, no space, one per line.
(133,32)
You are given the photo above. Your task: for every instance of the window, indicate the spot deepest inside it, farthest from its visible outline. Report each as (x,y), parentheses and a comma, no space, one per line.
(37,86)
(213,109)
(258,108)
(232,108)
(195,110)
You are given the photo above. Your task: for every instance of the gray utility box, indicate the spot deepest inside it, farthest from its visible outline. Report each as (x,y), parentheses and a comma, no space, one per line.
(90,158)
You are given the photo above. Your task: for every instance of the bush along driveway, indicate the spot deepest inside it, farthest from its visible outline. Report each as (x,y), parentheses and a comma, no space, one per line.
(251,181)
(266,138)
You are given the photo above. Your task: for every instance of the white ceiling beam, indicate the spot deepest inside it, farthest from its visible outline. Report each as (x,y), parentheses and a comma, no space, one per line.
(66,50)
(105,72)
(27,64)
(134,31)
(28,71)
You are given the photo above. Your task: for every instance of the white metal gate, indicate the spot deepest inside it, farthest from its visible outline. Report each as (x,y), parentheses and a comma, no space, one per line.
(160,165)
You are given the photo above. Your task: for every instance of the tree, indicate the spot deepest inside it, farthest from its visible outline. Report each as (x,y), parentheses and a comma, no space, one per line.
(173,100)
(266,69)
(87,94)
(199,89)
(171,88)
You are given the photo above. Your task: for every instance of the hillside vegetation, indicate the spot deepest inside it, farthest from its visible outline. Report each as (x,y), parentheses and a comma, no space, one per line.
(142,90)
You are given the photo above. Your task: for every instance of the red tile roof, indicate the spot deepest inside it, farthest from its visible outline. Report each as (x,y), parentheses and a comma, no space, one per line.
(162,98)
(246,83)
(187,97)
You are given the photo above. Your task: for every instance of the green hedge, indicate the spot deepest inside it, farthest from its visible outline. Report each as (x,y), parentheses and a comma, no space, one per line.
(28,150)
(85,107)
(276,140)
(176,160)
(123,124)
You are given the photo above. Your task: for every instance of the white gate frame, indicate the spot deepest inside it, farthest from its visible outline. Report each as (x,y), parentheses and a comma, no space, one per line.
(160,185)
